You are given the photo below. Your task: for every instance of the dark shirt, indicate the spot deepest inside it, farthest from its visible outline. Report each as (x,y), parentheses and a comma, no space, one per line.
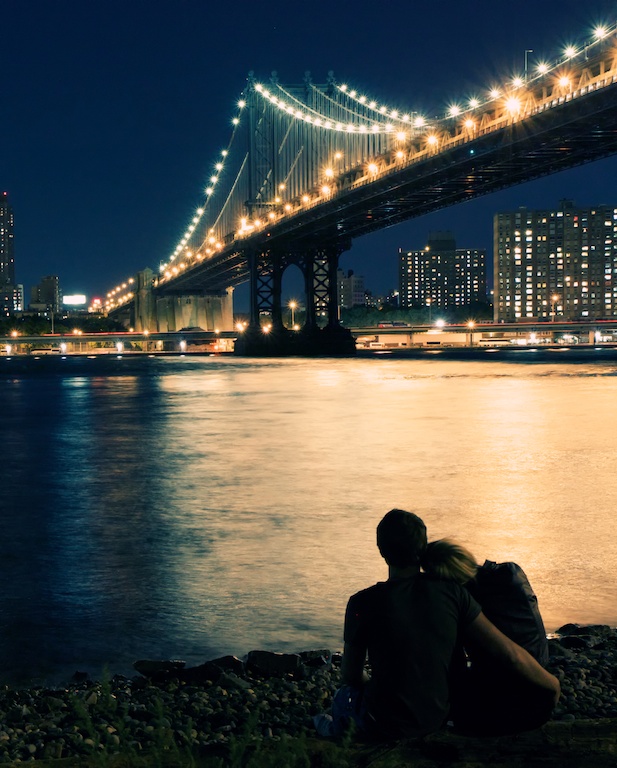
(508,601)
(411,628)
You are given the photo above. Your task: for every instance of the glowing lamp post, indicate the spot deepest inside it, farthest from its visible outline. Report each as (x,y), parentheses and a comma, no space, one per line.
(471,325)
(292,306)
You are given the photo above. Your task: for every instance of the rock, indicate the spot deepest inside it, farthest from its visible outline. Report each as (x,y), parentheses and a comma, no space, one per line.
(575,642)
(316,659)
(276,664)
(150,668)
(229,664)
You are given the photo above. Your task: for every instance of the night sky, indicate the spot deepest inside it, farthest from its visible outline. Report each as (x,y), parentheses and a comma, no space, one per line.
(113,113)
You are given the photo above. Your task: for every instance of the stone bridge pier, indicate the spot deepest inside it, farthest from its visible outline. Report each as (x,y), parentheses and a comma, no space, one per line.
(162,314)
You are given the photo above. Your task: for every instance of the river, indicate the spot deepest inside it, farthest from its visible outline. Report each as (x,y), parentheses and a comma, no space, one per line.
(188,507)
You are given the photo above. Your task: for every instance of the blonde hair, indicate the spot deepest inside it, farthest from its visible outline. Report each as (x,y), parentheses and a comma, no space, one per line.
(446,559)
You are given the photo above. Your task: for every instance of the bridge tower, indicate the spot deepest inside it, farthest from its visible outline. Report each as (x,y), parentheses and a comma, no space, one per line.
(282,162)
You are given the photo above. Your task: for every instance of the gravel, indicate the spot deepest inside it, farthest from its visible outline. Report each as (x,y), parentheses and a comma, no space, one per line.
(267,696)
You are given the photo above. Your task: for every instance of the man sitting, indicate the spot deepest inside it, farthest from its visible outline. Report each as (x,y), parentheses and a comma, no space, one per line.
(413,627)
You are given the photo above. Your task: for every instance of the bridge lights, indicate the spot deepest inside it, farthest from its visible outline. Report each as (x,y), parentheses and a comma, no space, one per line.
(372,168)
(400,155)
(564,81)
(517,82)
(401,136)
(454,111)
(570,52)
(306,199)
(513,105)
(495,93)
(287,207)
(473,103)
(419,121)
(432,140)
(326,190)
(600,33)
(329,173)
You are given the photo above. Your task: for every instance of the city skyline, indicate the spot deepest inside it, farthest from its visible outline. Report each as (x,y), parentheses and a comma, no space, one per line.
(116,117)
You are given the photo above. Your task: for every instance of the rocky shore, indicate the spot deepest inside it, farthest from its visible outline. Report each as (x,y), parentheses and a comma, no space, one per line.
(265,697)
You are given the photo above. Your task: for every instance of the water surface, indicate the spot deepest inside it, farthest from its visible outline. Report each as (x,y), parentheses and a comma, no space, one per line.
(190,507)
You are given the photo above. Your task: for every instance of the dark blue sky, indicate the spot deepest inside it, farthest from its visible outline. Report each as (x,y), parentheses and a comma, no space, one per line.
(112,113)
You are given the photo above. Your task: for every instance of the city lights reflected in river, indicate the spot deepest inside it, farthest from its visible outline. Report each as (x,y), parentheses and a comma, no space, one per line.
(206,506)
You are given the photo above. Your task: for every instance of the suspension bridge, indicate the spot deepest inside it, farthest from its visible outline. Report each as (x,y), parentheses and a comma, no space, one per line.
(310,167)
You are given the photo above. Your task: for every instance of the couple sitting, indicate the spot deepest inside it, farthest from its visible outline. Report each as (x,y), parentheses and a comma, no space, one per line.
(414,628)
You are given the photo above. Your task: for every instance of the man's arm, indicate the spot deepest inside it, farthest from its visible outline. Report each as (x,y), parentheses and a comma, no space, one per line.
(501,648)
(352,666)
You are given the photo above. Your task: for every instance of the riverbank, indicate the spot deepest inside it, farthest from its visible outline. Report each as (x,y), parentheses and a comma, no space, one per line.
(267,701)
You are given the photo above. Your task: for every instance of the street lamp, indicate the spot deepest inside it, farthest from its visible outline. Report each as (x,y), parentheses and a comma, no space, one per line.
(527,52)
(292,305)
(471,325)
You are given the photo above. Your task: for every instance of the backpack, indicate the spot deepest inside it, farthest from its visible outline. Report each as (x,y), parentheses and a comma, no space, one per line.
(508,601)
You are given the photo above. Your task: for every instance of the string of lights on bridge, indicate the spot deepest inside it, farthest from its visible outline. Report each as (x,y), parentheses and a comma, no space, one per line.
(403,125)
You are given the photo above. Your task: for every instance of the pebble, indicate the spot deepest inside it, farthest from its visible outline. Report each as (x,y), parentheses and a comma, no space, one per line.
(131,714)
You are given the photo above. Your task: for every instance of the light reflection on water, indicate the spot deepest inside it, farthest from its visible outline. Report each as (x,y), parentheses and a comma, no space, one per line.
(210,506)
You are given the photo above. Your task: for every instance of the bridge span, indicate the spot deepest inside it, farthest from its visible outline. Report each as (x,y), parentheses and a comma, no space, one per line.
(309,168)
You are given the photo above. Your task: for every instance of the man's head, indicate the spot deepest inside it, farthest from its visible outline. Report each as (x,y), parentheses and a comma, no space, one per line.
(401,538)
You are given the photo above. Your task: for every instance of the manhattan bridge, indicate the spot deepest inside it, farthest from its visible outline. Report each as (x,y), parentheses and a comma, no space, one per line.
(310,167)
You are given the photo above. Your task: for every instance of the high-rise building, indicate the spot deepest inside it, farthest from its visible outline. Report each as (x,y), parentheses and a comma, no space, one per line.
(441,275)
(8,290)
(556,264)
(351,291)
(46,295)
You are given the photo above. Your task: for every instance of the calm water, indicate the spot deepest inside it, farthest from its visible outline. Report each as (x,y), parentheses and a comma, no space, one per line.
(192,507)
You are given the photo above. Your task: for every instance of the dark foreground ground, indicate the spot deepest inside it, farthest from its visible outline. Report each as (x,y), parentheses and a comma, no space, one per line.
(258,713)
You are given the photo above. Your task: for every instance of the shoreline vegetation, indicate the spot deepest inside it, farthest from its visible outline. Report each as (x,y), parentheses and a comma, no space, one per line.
(258,712)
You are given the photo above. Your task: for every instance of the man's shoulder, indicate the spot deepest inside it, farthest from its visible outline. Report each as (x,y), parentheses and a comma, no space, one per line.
(369,592)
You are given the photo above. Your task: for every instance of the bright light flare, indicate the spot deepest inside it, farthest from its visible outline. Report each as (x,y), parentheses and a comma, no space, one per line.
(600,33)
(513,105)
(570,52)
